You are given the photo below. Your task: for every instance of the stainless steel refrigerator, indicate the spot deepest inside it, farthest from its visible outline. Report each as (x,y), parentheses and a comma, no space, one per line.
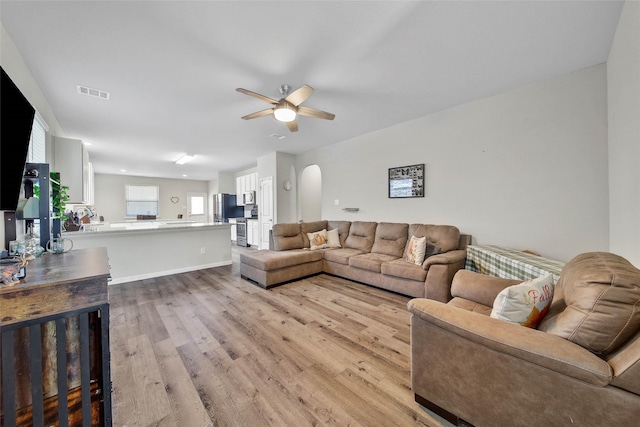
(225,207)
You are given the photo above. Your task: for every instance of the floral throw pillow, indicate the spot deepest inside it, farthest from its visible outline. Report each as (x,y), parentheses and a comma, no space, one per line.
(317,240)
(526,303)
(416,250)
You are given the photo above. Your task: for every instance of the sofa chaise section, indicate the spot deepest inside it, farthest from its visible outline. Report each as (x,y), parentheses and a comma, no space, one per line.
(269,268)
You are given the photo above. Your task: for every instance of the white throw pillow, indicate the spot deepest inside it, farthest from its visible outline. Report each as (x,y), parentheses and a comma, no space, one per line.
(333,238)
(318,240)
(416,249)
(526,303)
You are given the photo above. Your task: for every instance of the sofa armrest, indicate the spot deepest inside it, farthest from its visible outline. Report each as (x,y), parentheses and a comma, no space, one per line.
(529,345)
(479,288)
(450,257)
(440,271)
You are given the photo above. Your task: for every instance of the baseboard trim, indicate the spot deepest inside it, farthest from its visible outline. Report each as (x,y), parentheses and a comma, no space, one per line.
(127,279)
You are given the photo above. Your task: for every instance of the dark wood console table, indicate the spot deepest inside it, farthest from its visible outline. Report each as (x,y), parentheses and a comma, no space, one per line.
(55,342)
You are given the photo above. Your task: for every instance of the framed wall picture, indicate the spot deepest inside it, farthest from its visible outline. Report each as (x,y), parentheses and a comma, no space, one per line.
(406,181)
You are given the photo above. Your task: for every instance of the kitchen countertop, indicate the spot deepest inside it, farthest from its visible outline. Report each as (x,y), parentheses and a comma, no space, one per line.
(144,249)
(143,225)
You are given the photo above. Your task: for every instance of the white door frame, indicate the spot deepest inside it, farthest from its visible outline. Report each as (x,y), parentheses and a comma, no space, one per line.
(265,208)
(197,217)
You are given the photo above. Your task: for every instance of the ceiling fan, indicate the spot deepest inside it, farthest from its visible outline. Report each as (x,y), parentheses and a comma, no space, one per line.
(286,108)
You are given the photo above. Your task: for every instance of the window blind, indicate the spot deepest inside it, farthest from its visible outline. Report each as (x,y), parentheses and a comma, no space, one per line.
(141,200)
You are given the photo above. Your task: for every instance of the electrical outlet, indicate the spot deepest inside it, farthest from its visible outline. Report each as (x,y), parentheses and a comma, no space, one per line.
(336,202)
(202,250)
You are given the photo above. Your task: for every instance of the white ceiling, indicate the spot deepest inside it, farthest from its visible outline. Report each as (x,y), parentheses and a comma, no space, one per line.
(172,68)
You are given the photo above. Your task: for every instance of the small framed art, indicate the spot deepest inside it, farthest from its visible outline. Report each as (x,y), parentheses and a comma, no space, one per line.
(406,181)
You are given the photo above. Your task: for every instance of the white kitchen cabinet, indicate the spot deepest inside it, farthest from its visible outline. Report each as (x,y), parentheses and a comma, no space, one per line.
(245,183)
(253,232)
(89,187)
(239,190)
(71,159)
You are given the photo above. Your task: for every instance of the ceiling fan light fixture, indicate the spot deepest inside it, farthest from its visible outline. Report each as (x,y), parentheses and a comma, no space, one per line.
(287,108)
(285,112)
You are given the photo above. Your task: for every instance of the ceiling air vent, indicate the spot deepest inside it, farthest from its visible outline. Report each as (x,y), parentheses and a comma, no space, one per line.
(93,92)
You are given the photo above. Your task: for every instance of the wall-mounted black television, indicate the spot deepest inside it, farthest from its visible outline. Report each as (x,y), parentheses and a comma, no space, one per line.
(16,120)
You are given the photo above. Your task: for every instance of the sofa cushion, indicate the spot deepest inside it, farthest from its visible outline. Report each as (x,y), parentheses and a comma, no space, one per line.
(390,239)
(371,261)
(415,250)
(317,240)
(361,236)
(333,238)
(311,227)
(431,250)
(526,303)
(272,260)
(343,229)
(341,256)
(446,237)
(404,269)
(598,307)
(287,237)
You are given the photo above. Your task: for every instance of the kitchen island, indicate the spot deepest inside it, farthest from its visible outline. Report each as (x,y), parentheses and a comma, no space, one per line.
(152,248)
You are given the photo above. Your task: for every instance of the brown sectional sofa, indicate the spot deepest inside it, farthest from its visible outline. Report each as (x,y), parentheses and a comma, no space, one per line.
(370,252)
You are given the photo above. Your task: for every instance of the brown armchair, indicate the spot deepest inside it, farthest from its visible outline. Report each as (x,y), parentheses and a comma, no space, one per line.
(581,367)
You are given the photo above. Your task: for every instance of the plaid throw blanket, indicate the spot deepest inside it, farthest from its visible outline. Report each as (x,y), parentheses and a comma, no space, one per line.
(510,263)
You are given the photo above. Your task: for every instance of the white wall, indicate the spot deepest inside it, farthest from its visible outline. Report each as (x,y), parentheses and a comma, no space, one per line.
(623,74)
(311,194)
(15,67)
(279,166)
(213,189)
(110,194)
(285,200)
(525,169)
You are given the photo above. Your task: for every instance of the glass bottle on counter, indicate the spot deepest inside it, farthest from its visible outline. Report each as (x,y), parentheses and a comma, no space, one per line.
(32,242)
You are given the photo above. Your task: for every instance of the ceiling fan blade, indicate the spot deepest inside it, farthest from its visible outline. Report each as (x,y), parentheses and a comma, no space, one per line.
(300,95)
(259,114)
(257,95)
(293,125)
(318,114)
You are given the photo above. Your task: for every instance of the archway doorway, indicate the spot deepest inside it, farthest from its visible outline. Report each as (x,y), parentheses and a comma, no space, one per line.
(311,194)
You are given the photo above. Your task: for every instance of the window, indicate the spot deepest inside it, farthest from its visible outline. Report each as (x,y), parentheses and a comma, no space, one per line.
(37,147)
(196,204)
(142,200)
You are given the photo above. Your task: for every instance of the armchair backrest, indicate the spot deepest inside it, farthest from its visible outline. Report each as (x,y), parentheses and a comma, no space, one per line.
(597,302)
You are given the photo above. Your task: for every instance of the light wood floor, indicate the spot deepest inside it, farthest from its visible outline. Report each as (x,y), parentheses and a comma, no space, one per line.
(207,348)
